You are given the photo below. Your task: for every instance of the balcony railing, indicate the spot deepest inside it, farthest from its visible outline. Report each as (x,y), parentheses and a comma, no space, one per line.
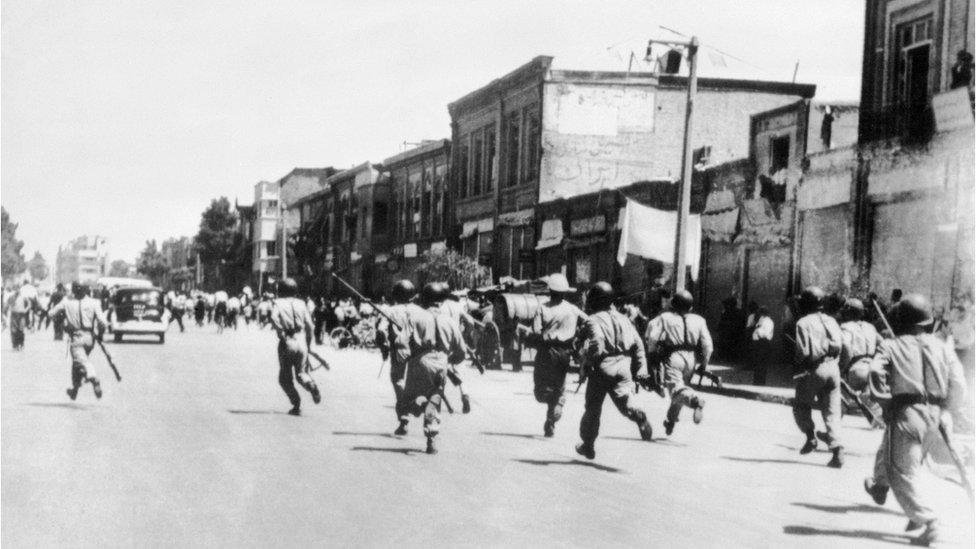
(911,123)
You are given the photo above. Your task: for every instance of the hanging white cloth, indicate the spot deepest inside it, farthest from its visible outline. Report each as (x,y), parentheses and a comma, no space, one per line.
(650,233)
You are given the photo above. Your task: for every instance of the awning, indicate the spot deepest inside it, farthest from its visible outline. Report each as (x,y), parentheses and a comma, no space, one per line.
(551,234)
(720,227)
(571,243)
(469,228)
(516,219)
(486,225)
(410,250)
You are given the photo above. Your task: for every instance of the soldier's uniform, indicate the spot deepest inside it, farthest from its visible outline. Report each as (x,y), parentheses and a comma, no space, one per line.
(860,343)
(612,346)
(554,332)
(926,380)
(83,321)
(680,341)
(428,343)
(455,313)
(818,345)
(400,313)
(293,324)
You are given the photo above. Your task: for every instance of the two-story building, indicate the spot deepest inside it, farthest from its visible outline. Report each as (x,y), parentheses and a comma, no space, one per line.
(420,220)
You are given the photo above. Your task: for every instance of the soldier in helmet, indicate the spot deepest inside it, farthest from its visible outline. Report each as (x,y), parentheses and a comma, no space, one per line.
(612,346)
(553,334)
(681,341)
(928,390)
(450,309)
(84,321)
(818,345)
(860,343)
(293,324)
(402,309)
(427,343)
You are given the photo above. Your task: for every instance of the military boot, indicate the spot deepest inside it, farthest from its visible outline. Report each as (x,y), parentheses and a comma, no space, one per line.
(877,492)
(97,387)
(402,429)
(699,411)
(929,537)
(646,432)
(431,447)
(72,392)
(586,450)
(838,460)
(549,428)
(465,404)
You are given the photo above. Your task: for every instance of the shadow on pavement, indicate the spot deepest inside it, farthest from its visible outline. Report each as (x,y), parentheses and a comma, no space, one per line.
(843,509)
(822,449)
(597,466)
(785,461)
(660,440)
(517,435)
(404,451)
(798,530)
(356,434)
(67,405)
(258,412)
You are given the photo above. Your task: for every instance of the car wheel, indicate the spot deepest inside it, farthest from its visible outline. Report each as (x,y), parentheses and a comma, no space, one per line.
(117,337)
(162,338)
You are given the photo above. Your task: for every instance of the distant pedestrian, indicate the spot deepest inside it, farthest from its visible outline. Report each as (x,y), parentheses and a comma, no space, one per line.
(58,320)
(761,345)
(21,303)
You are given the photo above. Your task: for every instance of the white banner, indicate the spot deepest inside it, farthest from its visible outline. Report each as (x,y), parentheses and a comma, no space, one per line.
(650,233)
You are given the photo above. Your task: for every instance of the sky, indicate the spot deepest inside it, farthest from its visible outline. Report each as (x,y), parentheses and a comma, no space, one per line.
(125,119)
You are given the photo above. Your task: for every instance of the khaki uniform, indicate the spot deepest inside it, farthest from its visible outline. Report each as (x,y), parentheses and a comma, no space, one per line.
(428,344)
(401,313)
(81,320)
(926,379)
(610,353)
(293,324)
(455,313)
(860,342)
(554,329)
(818,345)
(680,342)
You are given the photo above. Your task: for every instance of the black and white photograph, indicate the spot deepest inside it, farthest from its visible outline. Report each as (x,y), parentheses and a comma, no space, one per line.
(487,273)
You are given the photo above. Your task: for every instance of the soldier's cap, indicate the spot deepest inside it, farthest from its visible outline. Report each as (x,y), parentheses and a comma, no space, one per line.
(557,283)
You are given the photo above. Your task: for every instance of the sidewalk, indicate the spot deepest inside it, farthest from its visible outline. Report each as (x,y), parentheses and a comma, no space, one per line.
(737,382)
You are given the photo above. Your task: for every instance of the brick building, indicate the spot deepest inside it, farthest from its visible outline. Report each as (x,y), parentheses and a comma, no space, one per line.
(420,208)
(84,259)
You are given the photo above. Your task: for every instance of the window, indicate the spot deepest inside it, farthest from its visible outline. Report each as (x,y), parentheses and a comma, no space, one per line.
(271,208)
(462,167)
(779,153)
(490,160)
(428,182)
(437,217)
(414,188)
(270,249)
(532,144)
(913,41)
(513,130)
(477,163)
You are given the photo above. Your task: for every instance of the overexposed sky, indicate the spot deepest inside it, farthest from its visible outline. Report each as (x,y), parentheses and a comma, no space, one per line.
(125,118)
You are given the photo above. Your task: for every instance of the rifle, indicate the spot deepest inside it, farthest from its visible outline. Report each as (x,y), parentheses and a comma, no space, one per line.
(964,476)
(321,361)
(361,297)
(444,399)
(108,356)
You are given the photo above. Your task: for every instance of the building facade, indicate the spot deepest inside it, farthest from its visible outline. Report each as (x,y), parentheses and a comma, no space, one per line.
(265,233)
(84,259)
(419,179)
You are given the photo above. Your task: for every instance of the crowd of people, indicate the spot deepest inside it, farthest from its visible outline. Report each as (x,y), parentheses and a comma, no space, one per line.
(892,357)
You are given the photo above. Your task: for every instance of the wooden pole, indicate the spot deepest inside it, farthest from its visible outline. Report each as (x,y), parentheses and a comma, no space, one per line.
(684,197)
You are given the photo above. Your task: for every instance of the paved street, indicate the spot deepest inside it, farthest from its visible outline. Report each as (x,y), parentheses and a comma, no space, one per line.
(193,448)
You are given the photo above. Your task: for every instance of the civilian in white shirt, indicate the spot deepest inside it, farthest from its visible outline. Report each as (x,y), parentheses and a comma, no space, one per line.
(762,345)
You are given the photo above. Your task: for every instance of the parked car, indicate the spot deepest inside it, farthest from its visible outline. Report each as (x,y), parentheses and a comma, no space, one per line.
(138,311)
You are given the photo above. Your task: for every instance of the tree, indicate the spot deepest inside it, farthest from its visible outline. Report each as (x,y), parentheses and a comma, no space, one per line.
(459,270)
(152,263)
(119,267)
(38,267)
(215,240)
(13,259)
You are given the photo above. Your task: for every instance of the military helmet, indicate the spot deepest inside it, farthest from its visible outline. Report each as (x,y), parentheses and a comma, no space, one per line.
(430,293)
(912,310)
(79,290)
(287,287)
(443,290)
(682,301)
(403,291)
(812,299)
(853,309)
(600,296)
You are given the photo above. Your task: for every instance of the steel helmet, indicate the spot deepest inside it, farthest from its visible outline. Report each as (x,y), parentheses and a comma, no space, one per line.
(287,287)
(430,293)
(853,309)
(600,296)
(403,291)
(812,299)
(79,290)
(682,301)
(912,310)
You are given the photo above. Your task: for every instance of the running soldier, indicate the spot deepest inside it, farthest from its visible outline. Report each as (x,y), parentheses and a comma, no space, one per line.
(84,322)
(928,391)
(452,310)
(403,307)
(817,373)
(290,319)
(428,343)
(861,341)
(612,345)
(553,334)
(680,340)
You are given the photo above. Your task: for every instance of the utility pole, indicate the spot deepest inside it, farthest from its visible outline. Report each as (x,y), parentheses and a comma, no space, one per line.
(284,237)
(684,197)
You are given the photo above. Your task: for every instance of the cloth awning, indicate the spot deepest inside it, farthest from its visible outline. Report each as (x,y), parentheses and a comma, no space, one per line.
(516,219)
(720,227)
(551,234)
(469,228)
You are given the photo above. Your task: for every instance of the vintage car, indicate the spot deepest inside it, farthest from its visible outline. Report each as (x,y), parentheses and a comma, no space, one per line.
(138,311)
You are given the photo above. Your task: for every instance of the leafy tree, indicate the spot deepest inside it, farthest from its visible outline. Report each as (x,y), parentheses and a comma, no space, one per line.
(215,240)
(119,267)
(152,263)
(459,270)
(38,267)
(13,259)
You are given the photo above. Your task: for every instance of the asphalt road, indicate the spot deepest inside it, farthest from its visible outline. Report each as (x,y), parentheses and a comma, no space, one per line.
(193,448)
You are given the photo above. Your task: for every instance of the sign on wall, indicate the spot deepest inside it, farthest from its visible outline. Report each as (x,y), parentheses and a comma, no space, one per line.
(588,225)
